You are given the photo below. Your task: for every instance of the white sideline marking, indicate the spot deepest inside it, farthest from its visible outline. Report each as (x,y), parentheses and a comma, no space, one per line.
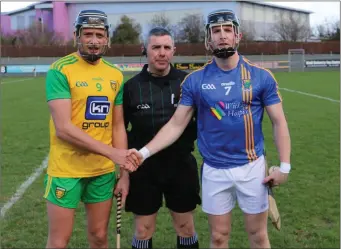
(309,94)
(14,81)
(23,187)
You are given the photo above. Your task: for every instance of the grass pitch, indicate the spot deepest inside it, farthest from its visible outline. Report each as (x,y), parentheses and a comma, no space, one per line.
(309,203)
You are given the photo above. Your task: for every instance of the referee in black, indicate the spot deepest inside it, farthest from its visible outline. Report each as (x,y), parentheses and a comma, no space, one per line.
(149,100)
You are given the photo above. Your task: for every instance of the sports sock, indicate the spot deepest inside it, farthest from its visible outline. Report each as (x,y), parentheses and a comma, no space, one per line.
(142,244)
(189,242)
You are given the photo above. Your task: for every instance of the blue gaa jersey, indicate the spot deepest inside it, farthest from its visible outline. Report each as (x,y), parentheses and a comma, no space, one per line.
(230,107)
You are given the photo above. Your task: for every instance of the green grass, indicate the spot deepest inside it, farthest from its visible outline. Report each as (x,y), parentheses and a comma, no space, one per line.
(319,83)
(309,203)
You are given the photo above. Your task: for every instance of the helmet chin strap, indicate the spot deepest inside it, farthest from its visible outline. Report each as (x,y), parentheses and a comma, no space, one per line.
(90,57)
(224,53)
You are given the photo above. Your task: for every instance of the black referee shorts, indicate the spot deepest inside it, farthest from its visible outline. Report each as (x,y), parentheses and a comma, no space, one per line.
(173,177)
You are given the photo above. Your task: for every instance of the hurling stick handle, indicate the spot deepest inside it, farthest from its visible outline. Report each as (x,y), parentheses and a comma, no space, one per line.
(118,220)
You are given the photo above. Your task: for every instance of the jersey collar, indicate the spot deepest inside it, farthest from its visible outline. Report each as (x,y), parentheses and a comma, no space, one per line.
(228,71)
(148,76)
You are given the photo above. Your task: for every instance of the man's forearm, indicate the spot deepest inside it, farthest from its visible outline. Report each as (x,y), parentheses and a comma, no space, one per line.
(73,135)
(167,135)
(120,141)
(282,141)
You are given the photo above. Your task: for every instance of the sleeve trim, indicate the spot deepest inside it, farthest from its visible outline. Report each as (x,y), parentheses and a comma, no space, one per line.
(58,96)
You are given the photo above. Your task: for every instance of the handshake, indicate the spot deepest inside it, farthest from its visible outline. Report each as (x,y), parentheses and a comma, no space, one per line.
(130,159)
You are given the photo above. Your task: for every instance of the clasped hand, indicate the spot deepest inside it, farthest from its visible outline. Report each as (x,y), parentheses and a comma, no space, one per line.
(129,160)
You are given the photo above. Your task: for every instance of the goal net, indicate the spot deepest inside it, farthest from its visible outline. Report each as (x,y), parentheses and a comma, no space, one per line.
(296,60)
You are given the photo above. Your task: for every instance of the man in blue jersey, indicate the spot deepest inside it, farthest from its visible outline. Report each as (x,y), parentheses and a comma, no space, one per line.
(230,95)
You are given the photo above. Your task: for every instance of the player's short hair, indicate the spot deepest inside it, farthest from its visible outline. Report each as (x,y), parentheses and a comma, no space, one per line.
(158,31)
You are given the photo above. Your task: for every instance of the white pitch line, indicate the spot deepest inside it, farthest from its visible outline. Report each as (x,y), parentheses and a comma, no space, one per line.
(14,81)
(23,187)
(309,94)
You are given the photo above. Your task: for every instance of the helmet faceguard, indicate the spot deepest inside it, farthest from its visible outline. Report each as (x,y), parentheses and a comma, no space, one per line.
(221,18)
(93,19)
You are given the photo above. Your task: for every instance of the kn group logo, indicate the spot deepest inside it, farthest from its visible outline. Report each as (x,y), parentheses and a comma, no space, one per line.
(97,109)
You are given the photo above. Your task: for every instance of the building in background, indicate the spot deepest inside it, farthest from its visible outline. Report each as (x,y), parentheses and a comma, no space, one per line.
(257,19)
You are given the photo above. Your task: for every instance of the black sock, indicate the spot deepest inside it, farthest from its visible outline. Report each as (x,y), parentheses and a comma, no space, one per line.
(142,244)
(190,242)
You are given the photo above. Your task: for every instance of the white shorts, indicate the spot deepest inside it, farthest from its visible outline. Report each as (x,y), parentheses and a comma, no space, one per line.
(221,188)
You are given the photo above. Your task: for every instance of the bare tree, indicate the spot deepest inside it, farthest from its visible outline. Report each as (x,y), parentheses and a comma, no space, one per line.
(160,20)
(177,34)
(248,30)
(267,36)
(292,28)
(320,30)
(328,30)
(36,34)
(192,28)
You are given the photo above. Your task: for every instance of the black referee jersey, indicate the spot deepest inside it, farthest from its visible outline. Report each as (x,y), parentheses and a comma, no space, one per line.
(149,102)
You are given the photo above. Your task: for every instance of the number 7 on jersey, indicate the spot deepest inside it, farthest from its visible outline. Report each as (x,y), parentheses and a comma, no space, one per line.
(228,86)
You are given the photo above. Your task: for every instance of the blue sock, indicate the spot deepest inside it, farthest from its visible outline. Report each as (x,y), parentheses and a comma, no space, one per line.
(189,242)
(142,244)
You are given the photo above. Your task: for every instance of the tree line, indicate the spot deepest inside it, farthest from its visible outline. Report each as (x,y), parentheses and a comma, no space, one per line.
(190,29)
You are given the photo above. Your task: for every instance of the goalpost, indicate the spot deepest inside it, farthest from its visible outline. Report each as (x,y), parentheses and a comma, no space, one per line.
(296,60)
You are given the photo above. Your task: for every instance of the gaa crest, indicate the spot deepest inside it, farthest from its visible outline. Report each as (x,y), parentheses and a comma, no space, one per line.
(60,192)
(113,84)
(246,84)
